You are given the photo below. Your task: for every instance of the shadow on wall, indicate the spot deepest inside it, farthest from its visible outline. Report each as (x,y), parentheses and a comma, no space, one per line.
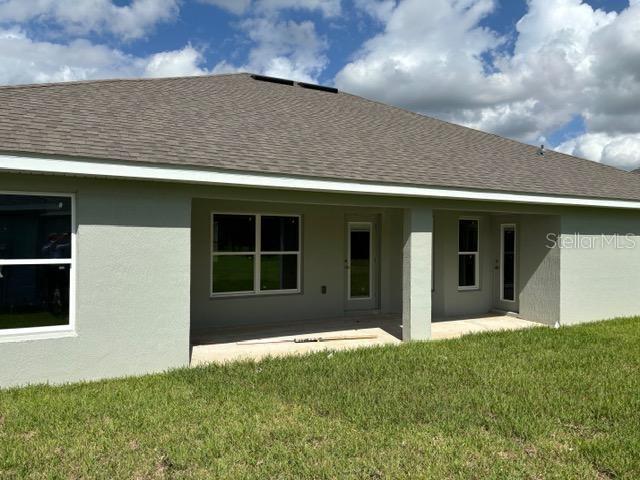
(136,204)
(539,269)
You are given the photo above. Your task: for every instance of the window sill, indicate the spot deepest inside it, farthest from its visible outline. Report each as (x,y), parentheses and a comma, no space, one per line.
(274,293)
(468,289)
(39,333)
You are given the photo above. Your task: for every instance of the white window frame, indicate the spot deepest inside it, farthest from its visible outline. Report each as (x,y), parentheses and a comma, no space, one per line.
(476,254)
(53,331)
(257,254)
(503,227)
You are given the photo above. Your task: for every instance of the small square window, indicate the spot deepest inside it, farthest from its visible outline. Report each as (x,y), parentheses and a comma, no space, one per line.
(279,234)
(234,233)
(232,273)
(278,272)
(34,227)
(34,295)
(467,270)
(468,236)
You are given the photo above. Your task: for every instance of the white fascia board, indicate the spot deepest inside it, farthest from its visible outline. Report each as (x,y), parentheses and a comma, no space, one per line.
(170,173)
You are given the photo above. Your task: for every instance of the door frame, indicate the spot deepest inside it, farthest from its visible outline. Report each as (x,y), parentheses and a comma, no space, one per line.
(372,301)
(503,228)
(371,271)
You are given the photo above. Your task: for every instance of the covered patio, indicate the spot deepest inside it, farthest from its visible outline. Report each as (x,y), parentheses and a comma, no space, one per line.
(319,272)
(257,343)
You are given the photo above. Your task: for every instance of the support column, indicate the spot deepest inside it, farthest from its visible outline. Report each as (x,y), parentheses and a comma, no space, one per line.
(416,274)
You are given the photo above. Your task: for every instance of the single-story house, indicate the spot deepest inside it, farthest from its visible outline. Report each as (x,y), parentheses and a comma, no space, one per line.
(136,215)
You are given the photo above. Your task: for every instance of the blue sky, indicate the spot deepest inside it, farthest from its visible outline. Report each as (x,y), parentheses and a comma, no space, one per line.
(561,72)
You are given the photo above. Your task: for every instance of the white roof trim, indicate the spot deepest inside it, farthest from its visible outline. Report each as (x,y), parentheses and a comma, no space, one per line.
(172,173)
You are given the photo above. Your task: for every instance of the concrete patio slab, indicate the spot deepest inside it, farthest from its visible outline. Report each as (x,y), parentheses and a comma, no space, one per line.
(456,327)
(229,344)
(256,343)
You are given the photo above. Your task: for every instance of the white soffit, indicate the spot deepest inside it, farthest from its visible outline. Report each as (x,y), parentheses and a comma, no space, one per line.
(172,173)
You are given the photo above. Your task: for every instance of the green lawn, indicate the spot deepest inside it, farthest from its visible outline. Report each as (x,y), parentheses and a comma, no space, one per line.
(540,403)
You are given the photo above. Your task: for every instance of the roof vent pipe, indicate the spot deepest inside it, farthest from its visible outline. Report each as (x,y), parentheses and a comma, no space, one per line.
(541,151)
(322,88)
(264,78)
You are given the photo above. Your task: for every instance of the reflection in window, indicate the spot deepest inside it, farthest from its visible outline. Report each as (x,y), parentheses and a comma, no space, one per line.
(360,264)
(234,233)
(34,295)
(34,227)
(278,272)
(35,260)
(466,270)
(508,263)
(255,253)
(279,234)
(468,236)
(232,273)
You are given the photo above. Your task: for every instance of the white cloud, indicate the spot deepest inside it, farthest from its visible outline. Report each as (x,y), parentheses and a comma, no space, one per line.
(237,7)
(378,9)
(329,8)
(177,63)
(24,60)
(428,58)
(568,59)
(280,48)
(622,151)
(80,17)
(285,49)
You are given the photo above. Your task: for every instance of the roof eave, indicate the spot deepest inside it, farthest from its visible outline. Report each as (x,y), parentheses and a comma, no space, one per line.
(194,175)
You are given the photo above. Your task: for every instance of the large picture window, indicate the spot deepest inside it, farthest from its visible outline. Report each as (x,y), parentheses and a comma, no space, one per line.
(468,250)
(255,254)
(35,261)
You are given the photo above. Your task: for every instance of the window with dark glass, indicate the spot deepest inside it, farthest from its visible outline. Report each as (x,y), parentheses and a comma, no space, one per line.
(255,253)
(468,253)
(35,260)
(508,263)
(360,262)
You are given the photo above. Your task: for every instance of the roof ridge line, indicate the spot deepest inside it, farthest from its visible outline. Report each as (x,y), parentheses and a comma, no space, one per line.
(477,130)
(117,80)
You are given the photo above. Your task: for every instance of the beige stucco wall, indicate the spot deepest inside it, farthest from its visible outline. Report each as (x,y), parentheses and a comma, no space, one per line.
(132,271)
(599,281)
(323,259)
(539,269)
(417,262)
(448,300)
(142,271)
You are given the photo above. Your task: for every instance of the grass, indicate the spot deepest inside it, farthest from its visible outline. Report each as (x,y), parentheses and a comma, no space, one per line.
(538,403)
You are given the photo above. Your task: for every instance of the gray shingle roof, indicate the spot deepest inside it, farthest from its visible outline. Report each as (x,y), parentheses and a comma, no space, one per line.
(237,123)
